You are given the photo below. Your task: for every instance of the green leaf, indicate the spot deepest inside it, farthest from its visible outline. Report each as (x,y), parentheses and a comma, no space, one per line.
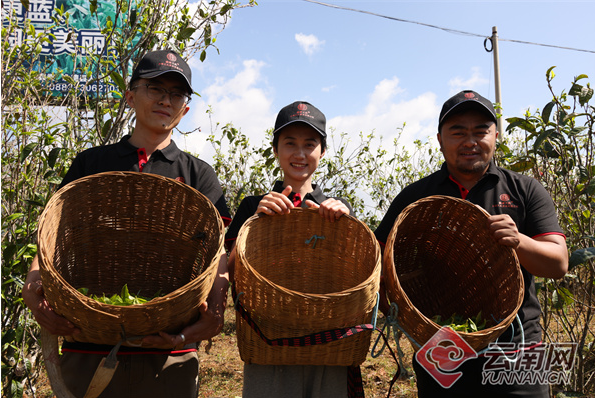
(542,137)
(8,336)
(93,6)
(53,156)
(519,122)
(575,89)
(203,56)
(577,130)
(549,75)
(186,33)
(27,150)
(118,80)
(583,173)
(556,301)
(565,296)
(106,127)
(522,165)
(33,202)
(116,300)
(25,4)
(590,188)
(125,293)
(12,217)
(585,96)
(547,111)
(581,256)
(16,389)
(584,93)
(225,8)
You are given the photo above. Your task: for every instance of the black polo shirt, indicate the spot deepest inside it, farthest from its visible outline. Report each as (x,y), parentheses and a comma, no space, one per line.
(499,191)
(249,205)
(169,162)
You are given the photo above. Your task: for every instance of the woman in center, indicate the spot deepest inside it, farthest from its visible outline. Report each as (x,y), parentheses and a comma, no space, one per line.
(299,142)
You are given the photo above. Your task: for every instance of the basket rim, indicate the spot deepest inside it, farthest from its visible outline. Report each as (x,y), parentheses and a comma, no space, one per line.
(155,302)
(391,272)
(317,296)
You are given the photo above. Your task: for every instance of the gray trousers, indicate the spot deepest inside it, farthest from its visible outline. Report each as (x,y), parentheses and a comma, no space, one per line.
(294,381)
(142,376)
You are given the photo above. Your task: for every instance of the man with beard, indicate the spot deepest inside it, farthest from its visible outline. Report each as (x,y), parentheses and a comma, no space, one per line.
(523,217)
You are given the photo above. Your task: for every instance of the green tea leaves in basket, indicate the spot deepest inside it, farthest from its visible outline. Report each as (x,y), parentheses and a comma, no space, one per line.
(460,324)
(122,299)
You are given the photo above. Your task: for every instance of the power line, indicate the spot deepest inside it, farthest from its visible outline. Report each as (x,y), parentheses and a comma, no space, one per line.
(455,31)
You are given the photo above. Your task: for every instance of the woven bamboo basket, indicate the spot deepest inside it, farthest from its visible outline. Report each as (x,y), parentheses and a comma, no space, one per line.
(440,259)
(292,288)
(152,233)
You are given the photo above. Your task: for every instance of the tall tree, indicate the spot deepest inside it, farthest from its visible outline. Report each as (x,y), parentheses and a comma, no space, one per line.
(50,112)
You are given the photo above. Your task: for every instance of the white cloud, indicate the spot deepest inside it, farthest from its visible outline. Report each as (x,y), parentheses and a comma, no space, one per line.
(328,89)
(244,100)
(309,43)
(475,82)
(386,112)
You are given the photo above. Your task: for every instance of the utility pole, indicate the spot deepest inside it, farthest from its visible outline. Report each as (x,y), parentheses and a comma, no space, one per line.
(494,40)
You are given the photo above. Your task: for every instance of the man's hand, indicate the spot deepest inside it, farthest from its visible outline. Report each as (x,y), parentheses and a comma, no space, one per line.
(208,326)
(544,255)
(504,230)
(44,314)
(331,209)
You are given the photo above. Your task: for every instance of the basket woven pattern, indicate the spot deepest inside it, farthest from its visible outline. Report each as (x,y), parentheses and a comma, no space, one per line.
(440,259)
(150,232)
(293,288)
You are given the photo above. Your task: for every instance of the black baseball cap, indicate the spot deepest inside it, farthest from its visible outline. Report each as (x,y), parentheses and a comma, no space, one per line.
(463,100)
(301,111)
(156,63)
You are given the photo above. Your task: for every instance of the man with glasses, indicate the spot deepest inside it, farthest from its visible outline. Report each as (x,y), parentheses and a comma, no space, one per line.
(164,365)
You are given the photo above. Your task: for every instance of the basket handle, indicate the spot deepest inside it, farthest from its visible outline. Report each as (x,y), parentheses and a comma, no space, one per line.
(318,338)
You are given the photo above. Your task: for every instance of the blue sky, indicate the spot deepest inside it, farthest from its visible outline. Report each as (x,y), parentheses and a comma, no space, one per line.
(368,73)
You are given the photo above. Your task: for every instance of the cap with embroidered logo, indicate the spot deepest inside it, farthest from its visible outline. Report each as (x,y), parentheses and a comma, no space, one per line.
(301,111)
(465,99)
(156,63)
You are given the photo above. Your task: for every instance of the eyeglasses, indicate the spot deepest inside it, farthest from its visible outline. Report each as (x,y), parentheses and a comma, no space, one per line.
(157,93)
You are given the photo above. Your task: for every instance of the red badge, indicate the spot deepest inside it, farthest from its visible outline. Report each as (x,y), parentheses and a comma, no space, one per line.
(443,354)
